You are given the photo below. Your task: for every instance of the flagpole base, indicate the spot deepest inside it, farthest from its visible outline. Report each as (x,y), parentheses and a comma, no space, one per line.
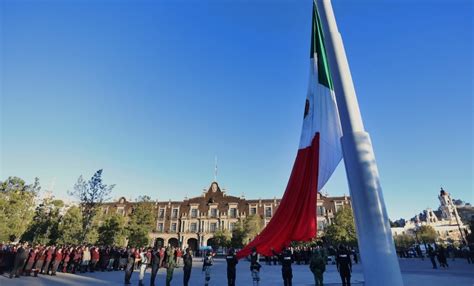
(377,250)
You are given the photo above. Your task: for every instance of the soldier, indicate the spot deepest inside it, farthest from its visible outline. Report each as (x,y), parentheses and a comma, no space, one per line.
(206,267)
(432,255)
(155,265)
(255,267)
(286,271)
(187,266)
(19,261)
(170,264)
(344,265)
(130,264)
(231,263)
(318,266)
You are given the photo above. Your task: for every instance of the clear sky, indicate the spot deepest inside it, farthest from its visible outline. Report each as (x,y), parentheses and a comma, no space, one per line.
(152,91)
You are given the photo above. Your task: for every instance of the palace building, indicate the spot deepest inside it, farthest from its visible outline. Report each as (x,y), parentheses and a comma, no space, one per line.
(193,222)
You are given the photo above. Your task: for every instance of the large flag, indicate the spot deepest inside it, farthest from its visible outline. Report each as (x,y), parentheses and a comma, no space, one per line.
(318,155)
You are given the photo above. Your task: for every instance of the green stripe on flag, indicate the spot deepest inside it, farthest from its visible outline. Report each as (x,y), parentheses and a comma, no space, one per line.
(318,48)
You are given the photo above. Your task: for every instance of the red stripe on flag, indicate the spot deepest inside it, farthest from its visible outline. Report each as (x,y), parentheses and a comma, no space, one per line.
(295,218)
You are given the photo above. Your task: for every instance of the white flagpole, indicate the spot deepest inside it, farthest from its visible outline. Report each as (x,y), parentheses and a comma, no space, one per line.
(377,251)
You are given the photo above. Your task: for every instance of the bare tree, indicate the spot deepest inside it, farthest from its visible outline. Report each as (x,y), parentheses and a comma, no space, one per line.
(91,195)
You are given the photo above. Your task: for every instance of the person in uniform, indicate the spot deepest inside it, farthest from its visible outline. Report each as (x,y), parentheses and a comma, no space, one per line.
(187,265)
(255,267)
(432,255)
(232,261)
(344,265)
(155,265)
(130,264)
(170,264)
(19,261)
(318,266)
(206,267)
(286,271)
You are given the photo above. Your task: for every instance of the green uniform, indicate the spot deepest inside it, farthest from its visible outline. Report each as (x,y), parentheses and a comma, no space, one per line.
(171,264)
(318,266)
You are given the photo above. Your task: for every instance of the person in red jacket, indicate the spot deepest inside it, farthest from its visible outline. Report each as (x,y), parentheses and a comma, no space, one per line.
(95,256)
(30,261)
(58,257)
(47,262)
(67,257)
(41,255)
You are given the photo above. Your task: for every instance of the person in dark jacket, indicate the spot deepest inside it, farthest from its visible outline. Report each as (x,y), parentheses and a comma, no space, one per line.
(443,262)
(432,255)
(155,265)
(286,270)
(232,261)
(206,267)
(19,261)
(255,267)
(344,265)
(188,265)
(318,266)
(130,264)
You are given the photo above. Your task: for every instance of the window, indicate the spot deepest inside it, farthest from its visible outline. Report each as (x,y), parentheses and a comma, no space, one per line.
(232,226)
(233,212)
(193,227)
(213,227)
(160,227)
(214,212)
(253,210)
(320,225)
(161,213)
(194,213)
(174,213)
(120,211)
(268,211)
(106,210)
(321,210)
(173,227)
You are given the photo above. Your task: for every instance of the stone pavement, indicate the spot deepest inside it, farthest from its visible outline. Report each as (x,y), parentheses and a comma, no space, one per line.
(415,272)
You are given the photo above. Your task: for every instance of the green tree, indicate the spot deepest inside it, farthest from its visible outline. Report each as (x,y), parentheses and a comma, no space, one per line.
(112,231)
(427,234)
(91,195)
(17,200)
(70,227)
(342,229)
(222,238)
(403,241)
(141,223)
(43,229)
(246,230)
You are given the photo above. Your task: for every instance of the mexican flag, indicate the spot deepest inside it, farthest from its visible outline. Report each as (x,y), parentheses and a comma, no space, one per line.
(318,155)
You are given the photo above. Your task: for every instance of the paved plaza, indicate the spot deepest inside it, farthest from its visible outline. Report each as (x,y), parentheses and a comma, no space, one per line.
(415,272)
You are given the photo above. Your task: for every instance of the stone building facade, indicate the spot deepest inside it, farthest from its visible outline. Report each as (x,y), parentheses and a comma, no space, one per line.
(193,222)
(445,221)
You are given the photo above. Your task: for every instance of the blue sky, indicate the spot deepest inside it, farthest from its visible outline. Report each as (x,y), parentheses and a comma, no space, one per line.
(152,91)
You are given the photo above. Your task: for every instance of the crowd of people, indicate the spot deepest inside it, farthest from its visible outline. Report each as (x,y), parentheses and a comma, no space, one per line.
(24,259)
